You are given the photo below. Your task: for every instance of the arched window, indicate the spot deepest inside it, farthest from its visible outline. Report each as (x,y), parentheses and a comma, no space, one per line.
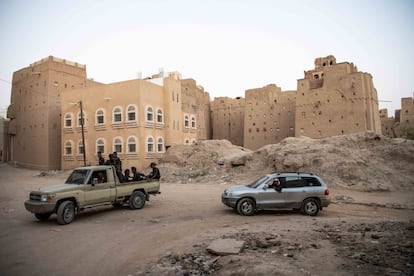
(132,144)
(186,142)
(193,141)
(80,119)
(68,120)
(117,114)
(150,144)
(80,147)
(131,113)
(160,144)
(118,144)
(150,114)
(160,117)
(100,116)
(193,122)
(186,121)
(100,145)
(68,148)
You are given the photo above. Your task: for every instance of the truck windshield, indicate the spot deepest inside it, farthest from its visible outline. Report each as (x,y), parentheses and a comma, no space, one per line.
(77,177)
(257,182)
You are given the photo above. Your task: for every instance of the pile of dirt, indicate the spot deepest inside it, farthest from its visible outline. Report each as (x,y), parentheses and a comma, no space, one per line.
(362,161)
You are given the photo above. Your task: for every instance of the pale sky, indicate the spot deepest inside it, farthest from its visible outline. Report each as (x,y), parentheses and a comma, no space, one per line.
(227,46)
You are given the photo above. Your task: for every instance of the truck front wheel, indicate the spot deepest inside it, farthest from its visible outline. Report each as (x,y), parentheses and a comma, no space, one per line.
(43,217)
(137,200)
(66,212)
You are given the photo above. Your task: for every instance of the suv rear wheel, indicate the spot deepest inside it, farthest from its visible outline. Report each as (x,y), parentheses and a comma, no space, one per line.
(310,207)
(246,207)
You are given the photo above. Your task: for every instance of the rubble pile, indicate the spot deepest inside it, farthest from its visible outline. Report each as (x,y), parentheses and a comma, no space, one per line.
(363,161)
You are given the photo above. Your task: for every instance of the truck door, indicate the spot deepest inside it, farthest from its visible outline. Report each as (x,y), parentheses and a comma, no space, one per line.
(99,188)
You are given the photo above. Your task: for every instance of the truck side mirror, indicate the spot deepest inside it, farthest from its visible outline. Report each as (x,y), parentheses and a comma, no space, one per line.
(265,186)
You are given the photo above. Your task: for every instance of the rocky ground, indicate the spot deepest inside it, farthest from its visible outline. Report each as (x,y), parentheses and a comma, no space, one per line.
(334,248)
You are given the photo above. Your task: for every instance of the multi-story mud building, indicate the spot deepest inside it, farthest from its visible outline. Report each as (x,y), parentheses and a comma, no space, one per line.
(138,119)
(227,119)
(331,99)
(269,116)
(34,111)
(334,99)
(402,121)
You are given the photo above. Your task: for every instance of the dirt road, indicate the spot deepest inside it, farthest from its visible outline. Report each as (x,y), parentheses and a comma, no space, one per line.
(184,219)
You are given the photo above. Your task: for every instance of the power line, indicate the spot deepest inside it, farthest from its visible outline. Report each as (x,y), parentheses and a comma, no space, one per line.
(6,81)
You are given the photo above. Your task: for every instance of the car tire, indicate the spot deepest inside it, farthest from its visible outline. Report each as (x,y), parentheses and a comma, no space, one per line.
(310,207)
(246,207)
(66,212)
(137,200)
(43,217)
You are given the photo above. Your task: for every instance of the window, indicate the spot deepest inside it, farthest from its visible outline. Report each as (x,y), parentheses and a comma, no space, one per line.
(100,145)
(150,144)
(187,142)
(100,117)
(160,118)
(160,144)
(150,114)
(118,144)
(117,114)
(186,121)
(193,122)
(68,120)
(131,113)
(294,182)
(80,147)
(132,144)
(68,148)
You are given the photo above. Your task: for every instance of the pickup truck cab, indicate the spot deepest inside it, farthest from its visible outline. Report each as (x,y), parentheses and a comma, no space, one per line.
(88,187)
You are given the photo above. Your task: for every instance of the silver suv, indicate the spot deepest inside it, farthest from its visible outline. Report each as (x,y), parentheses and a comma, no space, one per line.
(299,191)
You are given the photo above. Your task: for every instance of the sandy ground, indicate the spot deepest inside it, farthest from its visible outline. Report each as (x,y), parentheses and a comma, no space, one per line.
(355,235)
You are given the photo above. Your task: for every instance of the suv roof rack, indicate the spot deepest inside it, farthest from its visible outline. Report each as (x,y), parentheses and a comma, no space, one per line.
(294,172)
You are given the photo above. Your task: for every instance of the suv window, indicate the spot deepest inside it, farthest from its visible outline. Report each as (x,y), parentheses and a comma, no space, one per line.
(311,181)
(294,182)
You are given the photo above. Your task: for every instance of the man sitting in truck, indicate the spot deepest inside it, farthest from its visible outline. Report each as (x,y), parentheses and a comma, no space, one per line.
(155,174)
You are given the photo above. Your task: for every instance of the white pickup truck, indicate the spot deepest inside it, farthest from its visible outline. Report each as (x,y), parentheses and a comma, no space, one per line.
(88,187)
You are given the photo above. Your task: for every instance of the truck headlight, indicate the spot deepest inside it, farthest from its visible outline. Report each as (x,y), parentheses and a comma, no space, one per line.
(45,198)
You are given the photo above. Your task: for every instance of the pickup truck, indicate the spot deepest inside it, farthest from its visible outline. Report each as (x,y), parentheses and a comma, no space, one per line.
(88,187)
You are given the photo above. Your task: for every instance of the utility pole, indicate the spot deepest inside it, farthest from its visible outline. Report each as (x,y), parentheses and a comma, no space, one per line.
(83,133)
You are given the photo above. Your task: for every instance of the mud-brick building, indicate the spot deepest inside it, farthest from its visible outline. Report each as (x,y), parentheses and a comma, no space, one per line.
(139,119)
(334,99)
(227,119)
(269,116)
(196,107)
(402,121)
(35,124)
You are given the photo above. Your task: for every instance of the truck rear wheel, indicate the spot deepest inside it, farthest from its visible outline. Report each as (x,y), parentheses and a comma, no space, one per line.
(66,212)
(137,200)
(43,217)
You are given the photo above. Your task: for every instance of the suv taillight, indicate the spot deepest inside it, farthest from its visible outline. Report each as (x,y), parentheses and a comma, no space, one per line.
(326,192)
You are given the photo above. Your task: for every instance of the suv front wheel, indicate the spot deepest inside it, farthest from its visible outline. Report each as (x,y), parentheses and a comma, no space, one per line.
(246,207)
(310,207)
